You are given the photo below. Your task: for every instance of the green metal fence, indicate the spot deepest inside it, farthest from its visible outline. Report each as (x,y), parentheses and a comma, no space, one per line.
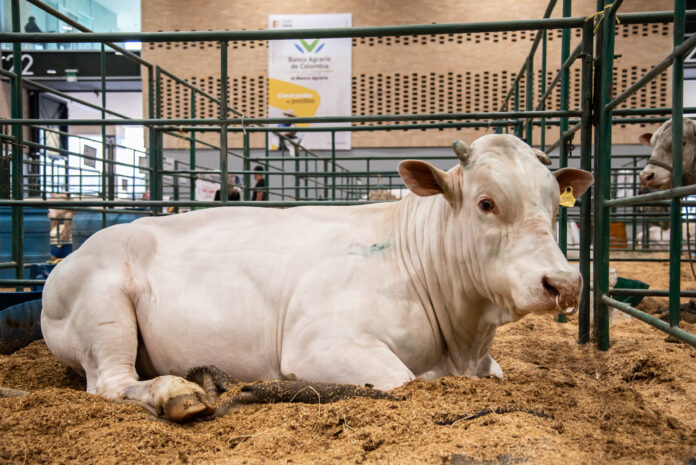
(310,178)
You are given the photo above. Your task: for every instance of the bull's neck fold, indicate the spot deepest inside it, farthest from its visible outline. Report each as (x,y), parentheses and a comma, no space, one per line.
(440,264)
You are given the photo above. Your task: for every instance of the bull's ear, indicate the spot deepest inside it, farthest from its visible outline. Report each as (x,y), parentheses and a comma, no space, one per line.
(422,178)
(579,180)
(645,138)
(541,155)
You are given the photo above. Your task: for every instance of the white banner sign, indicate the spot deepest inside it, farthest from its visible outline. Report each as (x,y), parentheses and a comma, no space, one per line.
(205,190)
(310,77)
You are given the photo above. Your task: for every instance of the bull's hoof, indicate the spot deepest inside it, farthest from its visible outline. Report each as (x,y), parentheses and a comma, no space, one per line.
(186,407)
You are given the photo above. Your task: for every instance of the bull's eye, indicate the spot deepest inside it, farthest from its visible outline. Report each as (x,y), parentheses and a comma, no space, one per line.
(486,205)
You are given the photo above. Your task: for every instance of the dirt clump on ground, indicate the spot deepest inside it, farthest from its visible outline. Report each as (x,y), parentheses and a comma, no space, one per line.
(560,402)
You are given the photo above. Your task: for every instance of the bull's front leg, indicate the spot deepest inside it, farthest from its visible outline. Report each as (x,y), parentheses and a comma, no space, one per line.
(331,358)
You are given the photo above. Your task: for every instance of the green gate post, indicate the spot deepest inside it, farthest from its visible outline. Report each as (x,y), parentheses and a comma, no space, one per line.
(368,179)
(17,152)
(246,167)
(585,164)
(267,168)
(223,129)
(564,145)
(102,71)
(529,98)
(152,75)
(542,90)
(603,182)
(192,150)
(297,171)
(518,126)
(675,240)
(333,165)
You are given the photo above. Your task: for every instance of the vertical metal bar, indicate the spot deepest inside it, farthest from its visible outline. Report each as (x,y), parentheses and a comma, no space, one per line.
(45,163)
(192,149)
(175,181)
(297,170)
(306,170)
(603,184)
(267,168)
(518,127)
(152,95)
(133,176)
(223,128)
(542,89)
(246,167)
(104,178)
(17,152)
(529,98)
(675,240)
(585,164)
(333,165)
(565,145)
(282,176)
(368,179)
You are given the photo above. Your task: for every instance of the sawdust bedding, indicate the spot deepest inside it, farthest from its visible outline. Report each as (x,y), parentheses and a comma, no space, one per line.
(559,403)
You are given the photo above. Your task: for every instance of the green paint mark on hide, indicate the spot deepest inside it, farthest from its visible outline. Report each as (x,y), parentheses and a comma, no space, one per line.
(369,250)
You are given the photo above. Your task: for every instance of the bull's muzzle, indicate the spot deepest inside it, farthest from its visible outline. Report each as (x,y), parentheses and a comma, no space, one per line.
(564,288)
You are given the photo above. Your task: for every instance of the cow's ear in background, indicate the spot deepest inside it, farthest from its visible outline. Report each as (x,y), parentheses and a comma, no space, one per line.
(422,178)
(645,138)
(579,180)
(541,155)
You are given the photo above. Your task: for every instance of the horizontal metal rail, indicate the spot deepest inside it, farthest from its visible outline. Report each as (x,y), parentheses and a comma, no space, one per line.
(317,119)
(649,292)
(22,282)
(648,198)
(177,203)
(675,331)
(325,33)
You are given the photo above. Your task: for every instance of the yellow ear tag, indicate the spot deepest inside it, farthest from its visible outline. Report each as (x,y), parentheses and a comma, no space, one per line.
(567,198)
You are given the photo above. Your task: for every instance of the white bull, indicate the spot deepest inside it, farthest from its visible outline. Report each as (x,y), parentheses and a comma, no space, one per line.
(657,173)
(375,294)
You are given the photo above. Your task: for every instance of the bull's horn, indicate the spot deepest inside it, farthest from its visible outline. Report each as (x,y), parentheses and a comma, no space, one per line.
(541,155)
(462,150)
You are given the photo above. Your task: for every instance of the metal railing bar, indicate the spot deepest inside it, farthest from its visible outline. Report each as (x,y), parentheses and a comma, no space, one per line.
(176,203)
(651,320)
(319,119)
(650,292)
(320,33)
(649,198)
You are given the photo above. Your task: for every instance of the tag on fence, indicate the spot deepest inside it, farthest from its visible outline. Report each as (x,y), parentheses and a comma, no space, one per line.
(567,198)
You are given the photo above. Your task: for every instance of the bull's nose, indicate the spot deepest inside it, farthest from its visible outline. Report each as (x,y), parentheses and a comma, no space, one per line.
(646,177)
(565,286)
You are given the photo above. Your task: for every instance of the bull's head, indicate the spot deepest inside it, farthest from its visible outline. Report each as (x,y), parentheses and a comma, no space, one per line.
(501,216)
(657,174)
